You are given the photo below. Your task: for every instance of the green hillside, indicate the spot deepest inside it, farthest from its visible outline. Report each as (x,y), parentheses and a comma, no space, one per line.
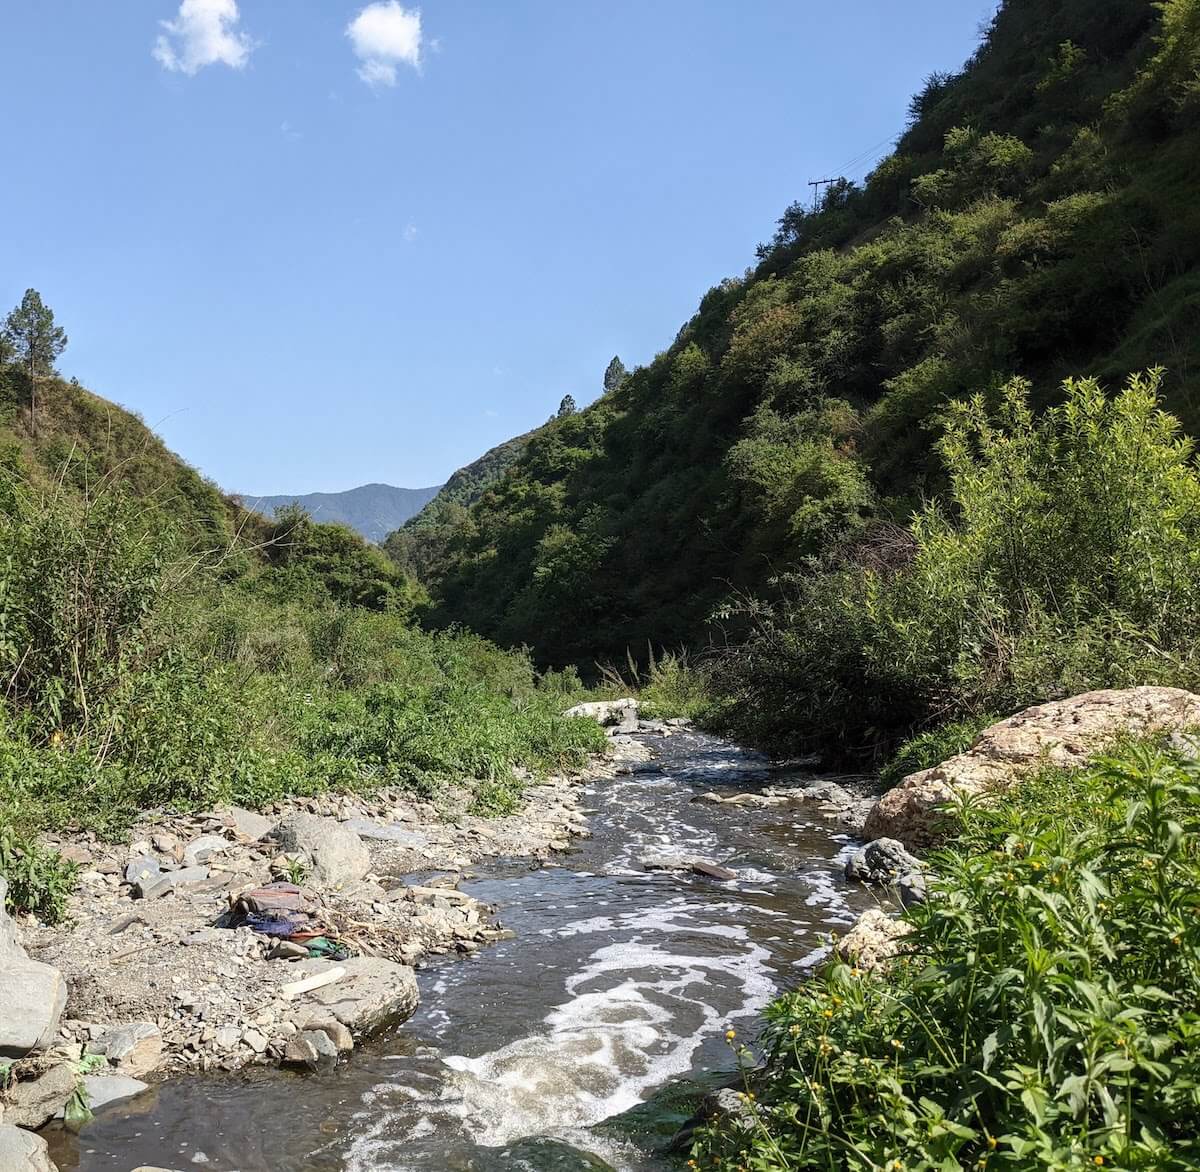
(421,546)
(1038,217)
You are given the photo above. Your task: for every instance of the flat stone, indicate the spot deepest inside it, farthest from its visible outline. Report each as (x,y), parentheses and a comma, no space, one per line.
(205,847)
(386,833)
(255,1040)
(372,994)
(143,869)
(22,1151)
(103,1089)
(713,870)
(171,881)
(248,824)
(227,1037)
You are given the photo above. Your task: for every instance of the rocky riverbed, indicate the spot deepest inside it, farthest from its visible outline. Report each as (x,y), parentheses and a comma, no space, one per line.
(211,942)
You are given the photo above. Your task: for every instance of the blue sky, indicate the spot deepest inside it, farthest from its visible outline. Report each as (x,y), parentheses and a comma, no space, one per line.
(321,243)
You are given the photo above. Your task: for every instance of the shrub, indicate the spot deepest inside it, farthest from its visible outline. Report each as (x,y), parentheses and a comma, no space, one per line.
(1062,558)
(1045,1016)
(931,748)
(39,880)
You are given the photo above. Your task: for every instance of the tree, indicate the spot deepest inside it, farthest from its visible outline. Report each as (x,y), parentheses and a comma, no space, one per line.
(566,407)
(30,331)
(614,376)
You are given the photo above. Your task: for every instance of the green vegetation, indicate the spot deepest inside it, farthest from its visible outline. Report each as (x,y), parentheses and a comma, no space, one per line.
(1061,557)
(1044,1017)
(160,646)
(1037,220)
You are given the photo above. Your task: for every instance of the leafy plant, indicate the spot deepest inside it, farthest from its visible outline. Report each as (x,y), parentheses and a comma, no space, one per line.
(1044,1015)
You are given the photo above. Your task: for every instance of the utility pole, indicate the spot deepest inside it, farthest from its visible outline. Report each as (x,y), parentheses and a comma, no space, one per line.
(815,184)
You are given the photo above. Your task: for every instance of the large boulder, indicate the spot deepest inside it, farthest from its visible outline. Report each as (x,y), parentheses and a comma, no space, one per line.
(337,854)
(1065,733)
(372,994)
(22,1151)
(618,716)
(32,995)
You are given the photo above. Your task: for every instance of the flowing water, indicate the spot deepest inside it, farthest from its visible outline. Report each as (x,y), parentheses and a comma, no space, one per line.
(578,1045)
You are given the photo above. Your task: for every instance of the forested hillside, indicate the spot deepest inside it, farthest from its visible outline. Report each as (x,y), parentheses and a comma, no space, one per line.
(421,546)
(1038,218)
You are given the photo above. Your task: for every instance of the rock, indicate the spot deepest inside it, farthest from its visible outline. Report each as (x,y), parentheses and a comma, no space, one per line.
(372,994)
(165,843)
(248,824)
(618,716)
(202,849)
(22,1151)
(300,1051)
(712,871)
(35,1102)
(287,950)
(911,888)
(1064,733)
(389,833)
(227,1037)
(697,866)
(882,861)
(134,1049)
(32,999)
(103,1089)
(337,854)
(170,881)
(337,1033)
(142,870)
(255,1040)
(875,938)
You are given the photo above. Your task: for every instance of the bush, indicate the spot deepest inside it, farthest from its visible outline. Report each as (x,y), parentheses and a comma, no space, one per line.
(1063,558)
(39,880)
(1045,1016)
(931,748)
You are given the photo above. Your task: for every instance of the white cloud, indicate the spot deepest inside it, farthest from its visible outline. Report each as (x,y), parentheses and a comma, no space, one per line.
(410,232)
(203,33)
(384,35)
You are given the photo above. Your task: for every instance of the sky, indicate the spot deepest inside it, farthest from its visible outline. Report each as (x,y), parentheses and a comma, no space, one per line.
(319,243)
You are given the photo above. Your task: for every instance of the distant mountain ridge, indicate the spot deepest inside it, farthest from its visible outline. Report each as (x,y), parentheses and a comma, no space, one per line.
(373,510)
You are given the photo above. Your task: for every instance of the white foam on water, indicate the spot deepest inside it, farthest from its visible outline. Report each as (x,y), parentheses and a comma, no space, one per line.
(635,1014)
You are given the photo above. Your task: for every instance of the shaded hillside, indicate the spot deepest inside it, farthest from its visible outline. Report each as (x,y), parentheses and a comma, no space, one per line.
(373,510)
(1038,218)
(420,546)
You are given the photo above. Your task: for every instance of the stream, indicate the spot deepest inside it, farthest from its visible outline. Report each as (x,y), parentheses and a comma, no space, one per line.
(582,1043)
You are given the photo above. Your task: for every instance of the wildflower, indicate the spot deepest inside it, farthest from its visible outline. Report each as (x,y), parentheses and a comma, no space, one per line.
(1176,940)
(794,1030)
(1097,1160)
(730,1035)
(897,1044)
(828,1013)
(992,1142)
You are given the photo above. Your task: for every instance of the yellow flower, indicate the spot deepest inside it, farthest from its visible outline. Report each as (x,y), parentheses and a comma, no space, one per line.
(992,1142)
(730,1035)
(1097,1160)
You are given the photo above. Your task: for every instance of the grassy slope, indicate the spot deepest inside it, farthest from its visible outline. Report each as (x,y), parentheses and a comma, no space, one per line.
(1037,218)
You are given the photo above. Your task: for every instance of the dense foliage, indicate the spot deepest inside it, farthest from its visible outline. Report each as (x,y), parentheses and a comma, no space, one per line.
(158,647)
(1062,556)
(1044,1015)
(1037,219)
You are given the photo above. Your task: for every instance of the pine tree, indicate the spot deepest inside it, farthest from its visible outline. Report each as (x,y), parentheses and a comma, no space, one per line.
(566,407)
(614,375)
(30,331)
